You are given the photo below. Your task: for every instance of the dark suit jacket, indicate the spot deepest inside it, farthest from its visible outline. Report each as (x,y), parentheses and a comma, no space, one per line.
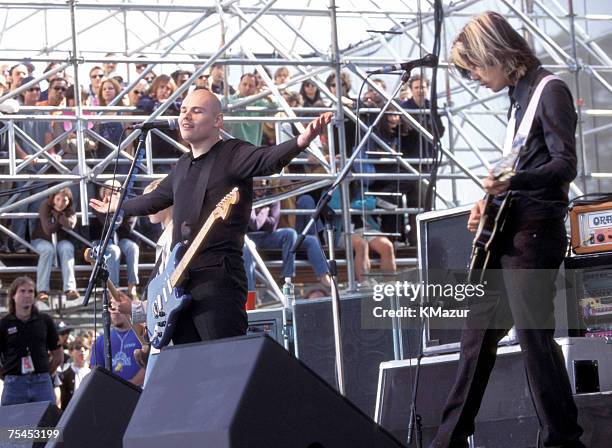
(195,186)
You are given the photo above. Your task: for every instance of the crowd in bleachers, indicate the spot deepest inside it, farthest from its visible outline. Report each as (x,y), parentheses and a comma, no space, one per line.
(50,235)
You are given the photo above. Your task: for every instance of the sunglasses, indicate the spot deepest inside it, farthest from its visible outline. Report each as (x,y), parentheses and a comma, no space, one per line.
(34,89)
(97,76)
(59,89)
(138,92)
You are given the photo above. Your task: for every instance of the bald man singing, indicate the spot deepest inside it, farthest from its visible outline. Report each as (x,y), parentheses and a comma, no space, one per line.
(200,179)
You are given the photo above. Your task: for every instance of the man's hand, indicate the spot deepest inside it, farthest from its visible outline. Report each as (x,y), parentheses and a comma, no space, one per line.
(122,303)
(314,128)
(494,186)
(475,215)
(108,205)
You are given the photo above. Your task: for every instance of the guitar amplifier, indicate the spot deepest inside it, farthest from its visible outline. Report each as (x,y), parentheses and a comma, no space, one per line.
(444,246)
(591,225)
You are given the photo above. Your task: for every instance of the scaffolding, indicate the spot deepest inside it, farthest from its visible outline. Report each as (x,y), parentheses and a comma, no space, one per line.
(314,38)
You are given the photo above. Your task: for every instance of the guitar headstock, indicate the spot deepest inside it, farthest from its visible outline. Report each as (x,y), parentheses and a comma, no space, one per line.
(222,208)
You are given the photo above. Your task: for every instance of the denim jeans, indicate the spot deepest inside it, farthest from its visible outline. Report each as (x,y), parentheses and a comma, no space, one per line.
(131,251)
(280,238)
(284,239)
(65,253)
(19,225)
(29,388)
(306,202)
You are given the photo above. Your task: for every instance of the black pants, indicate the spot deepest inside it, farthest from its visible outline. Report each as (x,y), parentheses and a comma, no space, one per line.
(522,292)
(218,307)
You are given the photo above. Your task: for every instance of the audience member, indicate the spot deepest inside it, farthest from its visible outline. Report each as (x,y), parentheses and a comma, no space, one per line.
(49,239)
(180,77)
(265,234)
(57,93)
(110,130)
(109,66)
(96,74)
(123,342)
(139,90)
(41,133)
(259,81)
(247,131)
(161,89)
(28,347)
(281,75)
(311,95)
(18,73)
(122,242)
(217,80)
(73,375)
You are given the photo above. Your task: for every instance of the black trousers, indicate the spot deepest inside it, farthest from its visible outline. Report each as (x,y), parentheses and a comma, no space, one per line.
(520,292)
(218,307)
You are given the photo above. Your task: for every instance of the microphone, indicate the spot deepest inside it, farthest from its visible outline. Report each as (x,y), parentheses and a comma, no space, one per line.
(428,60)
(157,124)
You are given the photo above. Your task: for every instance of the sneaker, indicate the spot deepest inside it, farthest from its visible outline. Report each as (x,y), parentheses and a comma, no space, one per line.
(43,296)
(72,295)
(385,205)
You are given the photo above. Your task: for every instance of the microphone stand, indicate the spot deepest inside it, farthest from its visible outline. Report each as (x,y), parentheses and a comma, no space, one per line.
(99,273)
(327,214)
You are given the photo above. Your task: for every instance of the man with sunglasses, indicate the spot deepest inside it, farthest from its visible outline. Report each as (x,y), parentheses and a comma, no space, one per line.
(95,76)
(57,93)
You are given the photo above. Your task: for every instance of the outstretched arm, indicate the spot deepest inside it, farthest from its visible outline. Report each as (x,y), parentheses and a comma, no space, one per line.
(250,161)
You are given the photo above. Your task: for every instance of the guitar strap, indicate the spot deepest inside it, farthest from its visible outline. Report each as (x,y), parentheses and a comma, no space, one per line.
(515,141)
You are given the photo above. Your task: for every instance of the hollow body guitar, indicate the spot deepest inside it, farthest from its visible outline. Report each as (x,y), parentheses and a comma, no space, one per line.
(166,297)
(492,221)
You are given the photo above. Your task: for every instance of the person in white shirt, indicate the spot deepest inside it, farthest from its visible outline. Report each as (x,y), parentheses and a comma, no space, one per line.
(72,377)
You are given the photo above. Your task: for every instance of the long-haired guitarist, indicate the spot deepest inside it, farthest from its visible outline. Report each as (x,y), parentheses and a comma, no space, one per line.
(532,244)
(216,278)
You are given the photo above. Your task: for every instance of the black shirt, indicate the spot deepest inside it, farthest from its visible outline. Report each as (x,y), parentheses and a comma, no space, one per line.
(547,163)
(195,186)
(36,336)
(413,144)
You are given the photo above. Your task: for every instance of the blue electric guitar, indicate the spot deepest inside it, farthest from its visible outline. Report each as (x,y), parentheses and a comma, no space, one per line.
(166,297)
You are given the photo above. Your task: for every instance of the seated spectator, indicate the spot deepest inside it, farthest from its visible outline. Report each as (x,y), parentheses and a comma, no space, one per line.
(248,131)
(44,95)
(265,234)
(73,375)
(139,90)
(281,75)
(42,133)
(161,89)
(109,67)
(123,342)
(362,243)
(180,77)
(122,242)
(18,73)
(311,95)
(50,240)
(28,347)
(96,74)
(414,145)
(140,66)
(57,93)
(110,130)
(217,80)
(259,81)
(330,82)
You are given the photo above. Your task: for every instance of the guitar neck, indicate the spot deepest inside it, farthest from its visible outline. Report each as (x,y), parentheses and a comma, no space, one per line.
(181,268)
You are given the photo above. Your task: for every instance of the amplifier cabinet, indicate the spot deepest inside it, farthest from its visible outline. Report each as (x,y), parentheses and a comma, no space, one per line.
(506,408)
